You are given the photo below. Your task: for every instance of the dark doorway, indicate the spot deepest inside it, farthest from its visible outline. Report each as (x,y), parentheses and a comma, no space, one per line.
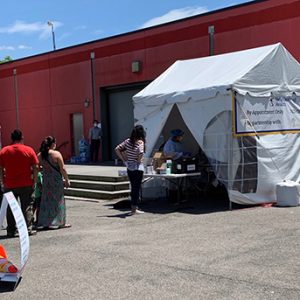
(117,116)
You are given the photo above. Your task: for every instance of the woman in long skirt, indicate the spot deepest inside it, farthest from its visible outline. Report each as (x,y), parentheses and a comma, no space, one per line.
(52,212)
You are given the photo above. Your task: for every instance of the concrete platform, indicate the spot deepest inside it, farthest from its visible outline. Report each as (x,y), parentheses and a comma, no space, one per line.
(96,182)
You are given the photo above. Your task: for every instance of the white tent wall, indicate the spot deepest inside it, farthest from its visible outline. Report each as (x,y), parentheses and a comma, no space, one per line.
(198,114)
(210,122)
(222,150)
(153,123)
(166,118)
(278,159)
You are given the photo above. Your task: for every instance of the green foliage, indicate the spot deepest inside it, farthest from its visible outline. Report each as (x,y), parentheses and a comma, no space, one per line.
(6,59)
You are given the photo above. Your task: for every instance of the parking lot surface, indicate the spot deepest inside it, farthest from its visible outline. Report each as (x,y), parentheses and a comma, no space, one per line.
(197,251)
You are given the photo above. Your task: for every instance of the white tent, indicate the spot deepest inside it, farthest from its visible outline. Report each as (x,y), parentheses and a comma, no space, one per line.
(242,108)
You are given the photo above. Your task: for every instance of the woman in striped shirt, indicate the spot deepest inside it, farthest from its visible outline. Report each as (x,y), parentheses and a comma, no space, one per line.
(131,152)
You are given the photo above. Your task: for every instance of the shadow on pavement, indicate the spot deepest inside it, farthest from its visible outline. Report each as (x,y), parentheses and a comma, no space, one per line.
(6,287)
(121,216)
(213,201)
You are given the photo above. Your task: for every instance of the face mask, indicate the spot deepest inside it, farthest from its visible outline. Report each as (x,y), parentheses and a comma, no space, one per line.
(95,124)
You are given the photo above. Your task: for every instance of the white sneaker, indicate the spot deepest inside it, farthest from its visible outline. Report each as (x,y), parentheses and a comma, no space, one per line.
(136,211)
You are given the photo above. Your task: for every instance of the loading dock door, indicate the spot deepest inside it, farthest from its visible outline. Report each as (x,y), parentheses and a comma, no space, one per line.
(121,120)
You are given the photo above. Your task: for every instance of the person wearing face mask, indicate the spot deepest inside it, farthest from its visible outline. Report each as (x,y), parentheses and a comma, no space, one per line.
(173,148)
(95,139)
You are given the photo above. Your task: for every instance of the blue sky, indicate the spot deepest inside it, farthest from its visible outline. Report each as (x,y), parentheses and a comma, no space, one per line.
(24,30)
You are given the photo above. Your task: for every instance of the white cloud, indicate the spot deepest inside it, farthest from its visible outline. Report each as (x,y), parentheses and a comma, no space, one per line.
(41,28)
(64,36)
(98,32)
(175,14)
(11,48)
(24,47)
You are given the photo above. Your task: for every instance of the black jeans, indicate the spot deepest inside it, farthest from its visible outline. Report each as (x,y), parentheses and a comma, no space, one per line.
(26,200)
(94,150)
(135,178)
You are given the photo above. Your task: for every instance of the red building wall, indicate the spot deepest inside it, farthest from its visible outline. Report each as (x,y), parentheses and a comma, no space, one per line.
(54,85)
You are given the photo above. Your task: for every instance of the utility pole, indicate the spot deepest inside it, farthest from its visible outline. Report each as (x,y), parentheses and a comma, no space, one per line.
(53,35)
(211,32)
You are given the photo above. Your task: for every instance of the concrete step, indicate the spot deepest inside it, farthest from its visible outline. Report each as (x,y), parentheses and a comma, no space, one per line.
(100,185)
(74,198)
(85,177)
(96,194)
(91,186)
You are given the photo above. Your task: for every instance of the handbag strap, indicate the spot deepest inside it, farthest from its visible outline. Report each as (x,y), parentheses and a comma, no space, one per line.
(55,168)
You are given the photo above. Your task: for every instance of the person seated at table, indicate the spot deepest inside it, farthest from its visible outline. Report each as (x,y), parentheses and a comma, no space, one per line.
(173,148)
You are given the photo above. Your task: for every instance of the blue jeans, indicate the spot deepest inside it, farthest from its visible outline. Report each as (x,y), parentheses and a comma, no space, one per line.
(135,178)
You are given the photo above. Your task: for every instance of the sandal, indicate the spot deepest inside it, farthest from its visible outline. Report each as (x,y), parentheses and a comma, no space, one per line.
(65,226)
(53,227)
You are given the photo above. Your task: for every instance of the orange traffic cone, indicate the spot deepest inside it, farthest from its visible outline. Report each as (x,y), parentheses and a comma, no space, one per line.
(5,265)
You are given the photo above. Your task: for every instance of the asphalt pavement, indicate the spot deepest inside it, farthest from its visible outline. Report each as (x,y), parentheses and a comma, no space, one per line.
(199,250)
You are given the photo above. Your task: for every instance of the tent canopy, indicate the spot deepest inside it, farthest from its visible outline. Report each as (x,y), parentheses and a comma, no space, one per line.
(257,71)
(202,88)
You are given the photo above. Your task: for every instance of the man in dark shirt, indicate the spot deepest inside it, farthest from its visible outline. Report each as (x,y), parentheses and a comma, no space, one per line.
(95,139)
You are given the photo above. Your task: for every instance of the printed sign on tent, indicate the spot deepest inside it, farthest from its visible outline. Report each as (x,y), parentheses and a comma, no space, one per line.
(271,115)
(9,199)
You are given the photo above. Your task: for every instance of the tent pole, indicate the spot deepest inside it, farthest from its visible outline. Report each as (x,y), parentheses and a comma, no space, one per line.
(230,160)
(230,152)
